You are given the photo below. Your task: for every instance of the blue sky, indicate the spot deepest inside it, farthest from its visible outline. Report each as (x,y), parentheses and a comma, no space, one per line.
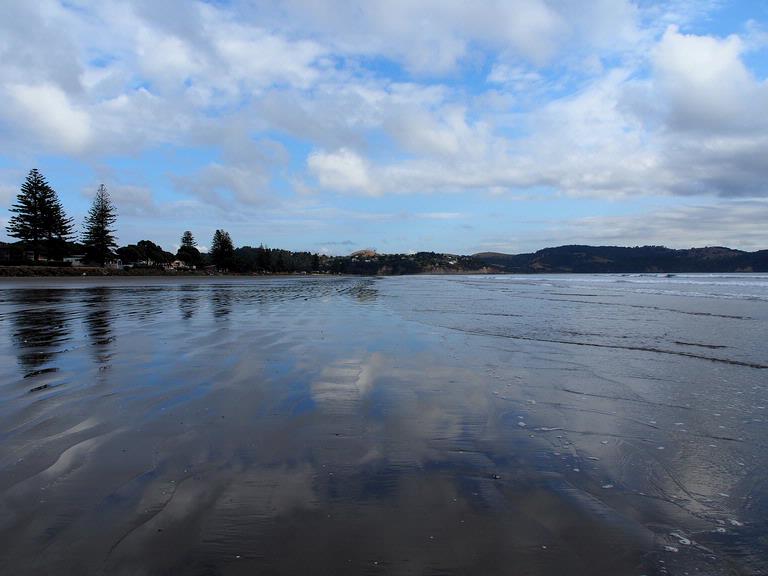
(444,125)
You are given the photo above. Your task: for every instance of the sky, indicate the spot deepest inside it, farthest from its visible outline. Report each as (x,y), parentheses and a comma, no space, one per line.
(444,125)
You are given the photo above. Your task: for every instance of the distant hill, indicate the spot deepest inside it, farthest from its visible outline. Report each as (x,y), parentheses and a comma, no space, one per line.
(618,259)
(562,259)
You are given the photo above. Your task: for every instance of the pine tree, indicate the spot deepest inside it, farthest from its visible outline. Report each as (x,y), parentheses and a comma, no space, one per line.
(98,238)
(222,250)
(187,252)
(58,227)
(188,240)
(39,216)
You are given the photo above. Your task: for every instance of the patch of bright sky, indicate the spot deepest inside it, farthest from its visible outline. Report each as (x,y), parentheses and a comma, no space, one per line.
(731,16)
(102,60)
(152,168)
(376,66)
(70,178)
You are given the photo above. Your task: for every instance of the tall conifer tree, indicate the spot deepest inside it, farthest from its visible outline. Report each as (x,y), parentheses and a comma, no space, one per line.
(98,238)
(188,252)
(188,240)
(39,217)
(57,226)
(222,249)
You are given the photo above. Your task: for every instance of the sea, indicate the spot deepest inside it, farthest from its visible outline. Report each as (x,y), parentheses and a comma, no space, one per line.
(482,425)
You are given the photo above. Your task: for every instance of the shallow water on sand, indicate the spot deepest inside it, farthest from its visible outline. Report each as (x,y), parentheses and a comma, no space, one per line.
(419,425)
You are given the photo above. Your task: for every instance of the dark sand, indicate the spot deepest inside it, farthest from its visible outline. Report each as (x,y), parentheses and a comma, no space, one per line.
(423,425)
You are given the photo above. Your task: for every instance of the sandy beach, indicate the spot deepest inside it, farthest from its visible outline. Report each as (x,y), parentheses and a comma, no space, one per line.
(416,425)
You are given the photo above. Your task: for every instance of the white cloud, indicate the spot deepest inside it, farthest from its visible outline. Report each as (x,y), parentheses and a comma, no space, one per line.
(582,144)
(47,112)
(442,132)
(516,78)
(705,85)
(130,200)
(428,36)
(226,185)
(166,58)
(261,58)
(109,79)
(603,141)
(39,38)
(342,170)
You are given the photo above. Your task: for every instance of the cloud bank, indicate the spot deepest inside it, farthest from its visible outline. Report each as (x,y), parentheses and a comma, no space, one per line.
(611,100)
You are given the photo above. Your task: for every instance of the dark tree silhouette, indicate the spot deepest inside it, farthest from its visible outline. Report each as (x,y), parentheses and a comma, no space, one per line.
(188,252)
(222,250)
(154,252)
(40,327)
(39,216)
(262,259)
(98,238)
(188,240)
(189,255)
(145,253)
(58,227)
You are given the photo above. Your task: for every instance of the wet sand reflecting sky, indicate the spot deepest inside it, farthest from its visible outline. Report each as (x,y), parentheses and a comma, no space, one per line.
(419,425)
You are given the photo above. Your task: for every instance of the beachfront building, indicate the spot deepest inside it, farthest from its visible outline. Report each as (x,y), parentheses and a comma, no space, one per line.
(75,260)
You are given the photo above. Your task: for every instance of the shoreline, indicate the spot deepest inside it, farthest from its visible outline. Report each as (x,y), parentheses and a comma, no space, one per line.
(96,272)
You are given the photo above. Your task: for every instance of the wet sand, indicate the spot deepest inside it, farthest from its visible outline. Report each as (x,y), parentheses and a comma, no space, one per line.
(419,425)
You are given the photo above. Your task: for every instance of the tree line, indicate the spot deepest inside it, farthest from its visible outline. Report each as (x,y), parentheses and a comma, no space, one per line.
(222,255)
(42,227)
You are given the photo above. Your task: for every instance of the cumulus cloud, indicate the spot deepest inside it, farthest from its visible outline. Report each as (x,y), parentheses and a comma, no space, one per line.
(342,170)
(705,85)
(518,78)
(241,177)
(687,128)
(611,99)
(709,116)
(130,200)
(45,111)
(110,79)
(37,38)
(428,36)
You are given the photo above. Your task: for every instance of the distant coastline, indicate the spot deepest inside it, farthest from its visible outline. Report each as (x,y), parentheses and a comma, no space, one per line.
(572,259)
(581,259)
(96,272)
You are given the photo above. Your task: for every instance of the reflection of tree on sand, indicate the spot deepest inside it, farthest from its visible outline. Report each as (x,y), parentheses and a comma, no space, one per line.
(40,326)
(98,320)
(221,298)
(147,302)
(188,302)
